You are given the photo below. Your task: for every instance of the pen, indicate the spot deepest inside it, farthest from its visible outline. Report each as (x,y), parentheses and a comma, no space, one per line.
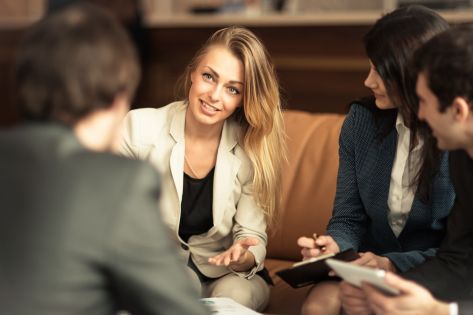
(323,248)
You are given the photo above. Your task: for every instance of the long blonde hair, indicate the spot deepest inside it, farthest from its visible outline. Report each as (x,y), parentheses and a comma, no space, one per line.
(260,117)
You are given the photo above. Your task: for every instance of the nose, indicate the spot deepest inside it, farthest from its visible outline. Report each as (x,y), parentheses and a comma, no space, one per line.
(215,93)
(370,81)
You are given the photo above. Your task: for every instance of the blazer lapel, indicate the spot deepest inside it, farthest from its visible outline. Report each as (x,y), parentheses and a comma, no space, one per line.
(226,170)
(176,161)
(382,176)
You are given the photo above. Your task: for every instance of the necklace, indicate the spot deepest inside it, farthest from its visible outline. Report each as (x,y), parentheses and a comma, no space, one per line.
(190,167)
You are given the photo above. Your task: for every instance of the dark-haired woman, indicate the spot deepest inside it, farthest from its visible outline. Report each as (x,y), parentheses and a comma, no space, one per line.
(393,190)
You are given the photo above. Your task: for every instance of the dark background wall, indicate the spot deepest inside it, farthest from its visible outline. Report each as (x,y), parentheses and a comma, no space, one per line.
(321,68)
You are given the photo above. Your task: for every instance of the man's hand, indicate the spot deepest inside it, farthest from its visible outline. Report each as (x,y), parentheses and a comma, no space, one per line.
(312,247)
(353,300)
(371,260)
(237,256)
(414,299)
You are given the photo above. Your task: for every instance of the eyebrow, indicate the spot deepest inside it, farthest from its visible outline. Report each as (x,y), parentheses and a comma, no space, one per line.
(216,74)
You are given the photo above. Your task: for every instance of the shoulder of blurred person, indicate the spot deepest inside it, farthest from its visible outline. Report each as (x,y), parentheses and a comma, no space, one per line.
(80,229)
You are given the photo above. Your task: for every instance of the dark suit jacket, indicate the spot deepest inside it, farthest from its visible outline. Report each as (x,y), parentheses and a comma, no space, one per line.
(449,275)
(360,214)
(80,232)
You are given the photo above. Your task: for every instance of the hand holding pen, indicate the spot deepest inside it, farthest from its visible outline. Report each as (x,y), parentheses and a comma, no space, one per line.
(317,245)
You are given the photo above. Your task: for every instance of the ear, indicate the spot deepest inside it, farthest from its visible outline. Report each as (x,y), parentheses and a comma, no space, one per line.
(461,109)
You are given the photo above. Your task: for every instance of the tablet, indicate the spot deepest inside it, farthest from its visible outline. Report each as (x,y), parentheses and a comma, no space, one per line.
(355,275)
(313,270)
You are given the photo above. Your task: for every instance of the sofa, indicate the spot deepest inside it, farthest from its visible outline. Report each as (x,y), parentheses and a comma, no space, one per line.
(309,182)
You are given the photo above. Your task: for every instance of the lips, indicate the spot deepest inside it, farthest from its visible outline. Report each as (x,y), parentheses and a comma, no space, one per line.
(209,107)
(378,95)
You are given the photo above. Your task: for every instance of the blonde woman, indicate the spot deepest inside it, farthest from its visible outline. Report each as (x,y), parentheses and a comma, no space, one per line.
(221,151)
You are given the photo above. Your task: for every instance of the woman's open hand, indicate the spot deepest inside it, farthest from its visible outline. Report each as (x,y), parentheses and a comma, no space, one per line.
(237,256)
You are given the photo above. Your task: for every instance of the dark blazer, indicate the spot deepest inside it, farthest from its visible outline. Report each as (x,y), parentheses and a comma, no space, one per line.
(449,275)
(80,232)
(360,214)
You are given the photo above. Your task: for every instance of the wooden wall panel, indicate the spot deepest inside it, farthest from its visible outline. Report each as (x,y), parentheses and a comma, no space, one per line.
(320,68)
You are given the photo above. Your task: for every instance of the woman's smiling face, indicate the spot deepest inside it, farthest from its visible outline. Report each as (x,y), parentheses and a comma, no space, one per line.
(217,86)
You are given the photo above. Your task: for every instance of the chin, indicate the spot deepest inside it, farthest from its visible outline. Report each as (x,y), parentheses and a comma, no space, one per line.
(446,146)
(382,105)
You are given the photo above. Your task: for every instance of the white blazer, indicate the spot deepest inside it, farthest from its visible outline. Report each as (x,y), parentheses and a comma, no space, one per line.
(157,135)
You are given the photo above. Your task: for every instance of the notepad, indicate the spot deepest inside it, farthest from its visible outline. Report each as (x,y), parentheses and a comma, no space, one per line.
(313,270)
(313,259)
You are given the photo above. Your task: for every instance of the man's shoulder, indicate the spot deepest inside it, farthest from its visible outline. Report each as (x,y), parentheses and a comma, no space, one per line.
(101,163)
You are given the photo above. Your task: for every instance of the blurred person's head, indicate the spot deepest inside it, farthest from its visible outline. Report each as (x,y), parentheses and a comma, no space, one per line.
(251,98)
(445,87)
(77,65)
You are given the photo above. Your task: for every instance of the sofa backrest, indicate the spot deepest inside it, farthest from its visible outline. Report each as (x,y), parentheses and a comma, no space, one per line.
(309,180)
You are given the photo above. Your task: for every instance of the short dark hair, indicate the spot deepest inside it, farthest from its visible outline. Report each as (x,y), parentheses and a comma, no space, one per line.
(447,62)
(74,62)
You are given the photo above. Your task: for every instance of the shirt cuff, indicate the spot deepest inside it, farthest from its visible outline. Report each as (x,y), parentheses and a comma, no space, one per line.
(453,309)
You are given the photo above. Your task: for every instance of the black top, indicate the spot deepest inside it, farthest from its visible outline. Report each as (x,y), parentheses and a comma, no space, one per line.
(196,214)
(196,208)
(449,275)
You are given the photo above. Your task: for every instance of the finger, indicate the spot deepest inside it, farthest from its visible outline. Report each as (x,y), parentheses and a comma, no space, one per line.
(403,285)
(363,260)
(376,299)
(219,260)
(306,242)
(236,253)
(323,240)
(353,299)
(226,260)
(347,290)
(213,260)
(309,253)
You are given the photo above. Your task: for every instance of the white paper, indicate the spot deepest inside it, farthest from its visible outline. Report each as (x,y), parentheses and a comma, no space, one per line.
(226,306)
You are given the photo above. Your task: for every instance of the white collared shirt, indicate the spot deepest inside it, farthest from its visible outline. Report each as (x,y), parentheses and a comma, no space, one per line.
(405,167)
(453,309)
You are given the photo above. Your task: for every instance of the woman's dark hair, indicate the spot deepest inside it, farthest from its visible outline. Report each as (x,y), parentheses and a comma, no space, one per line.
(74,62)
(390,45)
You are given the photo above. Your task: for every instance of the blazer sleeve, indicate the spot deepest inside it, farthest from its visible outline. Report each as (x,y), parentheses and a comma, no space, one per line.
(147,274)
(250,220)
(407,260)
(447,275)
(347,225)
(465,307)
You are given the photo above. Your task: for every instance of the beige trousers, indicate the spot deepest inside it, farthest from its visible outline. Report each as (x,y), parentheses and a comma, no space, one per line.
(252,293)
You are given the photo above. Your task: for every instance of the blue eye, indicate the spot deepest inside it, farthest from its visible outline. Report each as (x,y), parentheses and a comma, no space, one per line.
(233,90)
(207,76)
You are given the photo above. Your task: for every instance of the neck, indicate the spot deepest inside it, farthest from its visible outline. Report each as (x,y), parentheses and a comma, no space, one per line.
(197,131)
(96,132)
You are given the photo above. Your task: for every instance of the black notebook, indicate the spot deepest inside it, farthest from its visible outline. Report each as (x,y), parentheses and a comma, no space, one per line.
(313,270)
